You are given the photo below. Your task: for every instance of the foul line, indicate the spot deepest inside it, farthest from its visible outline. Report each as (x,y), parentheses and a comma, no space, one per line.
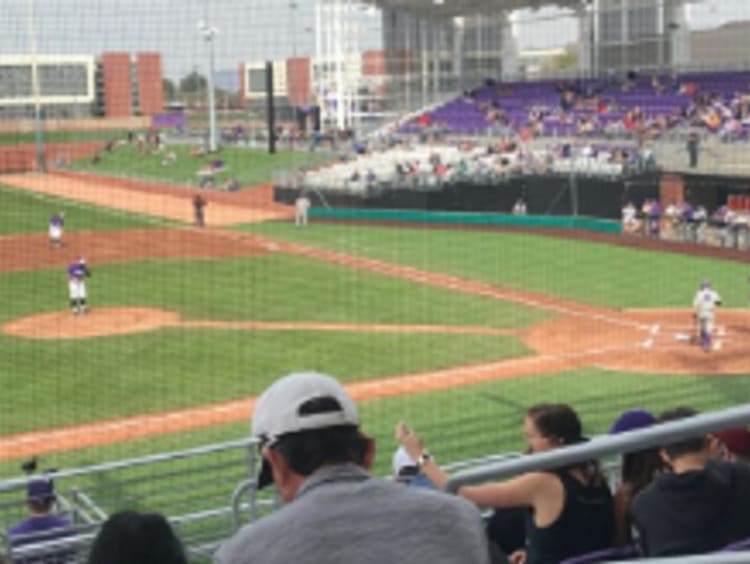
(141,426)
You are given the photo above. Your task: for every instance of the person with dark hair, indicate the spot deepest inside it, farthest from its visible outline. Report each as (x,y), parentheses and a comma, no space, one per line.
(335,512)
(42,526)
(637,470)
(570,507)
(700,506)
(129,537)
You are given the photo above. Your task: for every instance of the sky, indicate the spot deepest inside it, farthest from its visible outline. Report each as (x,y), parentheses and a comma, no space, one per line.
(248,29)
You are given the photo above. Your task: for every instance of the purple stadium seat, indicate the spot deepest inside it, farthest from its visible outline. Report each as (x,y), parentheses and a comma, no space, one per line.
(626,552)
(743,544)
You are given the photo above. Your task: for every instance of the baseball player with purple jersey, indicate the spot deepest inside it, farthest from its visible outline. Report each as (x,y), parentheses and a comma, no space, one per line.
(77,274)
(704,304)
(56,223)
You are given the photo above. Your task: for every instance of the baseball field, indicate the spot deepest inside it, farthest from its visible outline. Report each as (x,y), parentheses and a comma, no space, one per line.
(455,331)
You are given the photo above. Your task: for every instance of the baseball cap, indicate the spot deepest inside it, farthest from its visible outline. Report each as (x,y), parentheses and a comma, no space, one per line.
(631,420)
(287,407)
(737,440)
(40,490)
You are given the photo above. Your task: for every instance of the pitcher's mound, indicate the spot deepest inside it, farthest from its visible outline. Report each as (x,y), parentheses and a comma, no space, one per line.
(97,322)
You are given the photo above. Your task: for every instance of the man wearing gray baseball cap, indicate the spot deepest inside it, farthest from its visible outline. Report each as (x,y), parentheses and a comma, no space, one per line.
(335,512)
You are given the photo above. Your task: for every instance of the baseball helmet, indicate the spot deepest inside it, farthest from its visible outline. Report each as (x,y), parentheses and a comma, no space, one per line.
(705,284)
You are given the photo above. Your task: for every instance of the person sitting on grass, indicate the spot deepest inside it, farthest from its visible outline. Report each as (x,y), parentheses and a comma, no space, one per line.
(169,159)
(570,508)
(232,184)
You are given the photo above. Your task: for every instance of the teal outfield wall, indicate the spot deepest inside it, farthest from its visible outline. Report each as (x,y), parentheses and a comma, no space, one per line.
(469,218)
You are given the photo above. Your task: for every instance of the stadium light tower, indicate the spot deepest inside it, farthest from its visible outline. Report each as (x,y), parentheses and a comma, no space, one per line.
(293,24)
(209,35)
(41,165)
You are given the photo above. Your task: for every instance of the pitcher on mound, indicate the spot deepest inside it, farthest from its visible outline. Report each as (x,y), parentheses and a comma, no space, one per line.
(704,304)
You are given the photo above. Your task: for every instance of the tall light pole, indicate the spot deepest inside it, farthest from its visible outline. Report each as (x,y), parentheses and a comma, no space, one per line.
(41,165)
(209,35)
(293,23)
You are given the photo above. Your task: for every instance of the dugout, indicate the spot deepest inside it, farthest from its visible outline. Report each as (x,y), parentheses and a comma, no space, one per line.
(544,195)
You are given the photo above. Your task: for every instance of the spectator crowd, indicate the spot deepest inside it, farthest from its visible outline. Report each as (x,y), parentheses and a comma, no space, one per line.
(689,496)
(685,221)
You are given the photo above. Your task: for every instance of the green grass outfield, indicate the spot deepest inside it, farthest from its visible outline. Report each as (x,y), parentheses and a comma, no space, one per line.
(55,383)
(26,212)
(594,273)
(176,367)
(250,166)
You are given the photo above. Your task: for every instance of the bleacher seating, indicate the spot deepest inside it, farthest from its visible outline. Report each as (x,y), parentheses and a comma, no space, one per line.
(602,104)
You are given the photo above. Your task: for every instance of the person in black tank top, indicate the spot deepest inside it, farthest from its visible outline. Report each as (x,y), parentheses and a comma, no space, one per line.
(584,525)
(570,509)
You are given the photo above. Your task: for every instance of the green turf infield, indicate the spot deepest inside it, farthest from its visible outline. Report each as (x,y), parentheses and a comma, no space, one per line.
(26,212)
(178,367)
(588,272)
(250,166)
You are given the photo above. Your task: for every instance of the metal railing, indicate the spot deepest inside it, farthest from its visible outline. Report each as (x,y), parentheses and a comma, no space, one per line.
(206,520)
(191,487)
(606,445)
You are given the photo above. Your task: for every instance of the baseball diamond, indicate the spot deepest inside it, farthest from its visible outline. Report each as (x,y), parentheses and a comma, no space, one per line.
(577,335)
(350,248)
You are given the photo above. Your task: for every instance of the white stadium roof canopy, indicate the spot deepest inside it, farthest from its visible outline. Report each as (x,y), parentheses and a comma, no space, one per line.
(454,8)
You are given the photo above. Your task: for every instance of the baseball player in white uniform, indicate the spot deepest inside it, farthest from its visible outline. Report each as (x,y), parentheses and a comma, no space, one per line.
(301,208)
(55,231)
(77,274)
(704,304)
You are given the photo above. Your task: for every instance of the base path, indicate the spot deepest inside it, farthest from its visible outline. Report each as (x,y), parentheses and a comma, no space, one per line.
(107,321)
(174,203)
(33,252)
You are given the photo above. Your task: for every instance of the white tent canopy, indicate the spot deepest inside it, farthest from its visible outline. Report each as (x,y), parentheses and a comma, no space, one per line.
(454,8)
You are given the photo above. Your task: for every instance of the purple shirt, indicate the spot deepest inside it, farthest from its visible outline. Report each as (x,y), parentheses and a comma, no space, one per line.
(56,221)
(42,529)
(77,271)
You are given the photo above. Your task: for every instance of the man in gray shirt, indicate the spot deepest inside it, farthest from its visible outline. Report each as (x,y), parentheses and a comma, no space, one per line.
(335,512)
